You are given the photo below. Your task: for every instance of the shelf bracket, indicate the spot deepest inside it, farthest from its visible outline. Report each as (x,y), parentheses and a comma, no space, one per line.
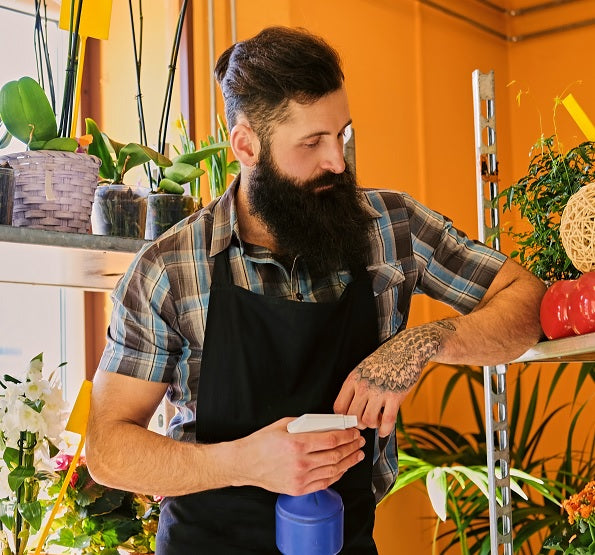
(496,410)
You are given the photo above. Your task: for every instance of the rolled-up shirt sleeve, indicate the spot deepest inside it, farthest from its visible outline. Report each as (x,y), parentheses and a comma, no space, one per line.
(142,338)
(452,268)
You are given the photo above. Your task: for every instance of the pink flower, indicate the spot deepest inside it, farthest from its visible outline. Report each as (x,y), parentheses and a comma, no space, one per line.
(62,461)
(74,479)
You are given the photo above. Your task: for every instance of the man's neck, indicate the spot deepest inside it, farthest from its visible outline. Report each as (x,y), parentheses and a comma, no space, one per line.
(252,229)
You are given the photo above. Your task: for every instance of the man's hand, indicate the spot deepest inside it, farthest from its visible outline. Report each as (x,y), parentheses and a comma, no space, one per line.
(296,464)
(375,390)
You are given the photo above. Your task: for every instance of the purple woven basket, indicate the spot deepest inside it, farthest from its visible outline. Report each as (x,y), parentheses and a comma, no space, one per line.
(53,189)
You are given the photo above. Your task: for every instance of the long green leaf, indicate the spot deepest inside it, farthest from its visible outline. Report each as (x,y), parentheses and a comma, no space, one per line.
(133,155)
(99,147)
(558,374)
(31,512)
(201,154)
(19,475)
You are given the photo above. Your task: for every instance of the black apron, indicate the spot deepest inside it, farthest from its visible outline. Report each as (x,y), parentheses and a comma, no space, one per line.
(263,359)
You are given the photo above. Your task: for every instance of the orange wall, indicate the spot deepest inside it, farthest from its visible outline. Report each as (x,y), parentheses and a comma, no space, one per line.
(408,74)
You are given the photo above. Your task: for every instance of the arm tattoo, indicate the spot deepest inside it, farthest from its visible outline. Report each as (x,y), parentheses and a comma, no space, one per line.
(397,364)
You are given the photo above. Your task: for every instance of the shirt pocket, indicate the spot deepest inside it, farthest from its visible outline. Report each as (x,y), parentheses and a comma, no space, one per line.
(385,277)
(388,280)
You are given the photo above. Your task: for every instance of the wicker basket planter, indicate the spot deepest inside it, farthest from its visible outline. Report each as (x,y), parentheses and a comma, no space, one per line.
(53,189)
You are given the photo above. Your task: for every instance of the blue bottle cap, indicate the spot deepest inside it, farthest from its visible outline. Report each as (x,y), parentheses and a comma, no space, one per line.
(311,523)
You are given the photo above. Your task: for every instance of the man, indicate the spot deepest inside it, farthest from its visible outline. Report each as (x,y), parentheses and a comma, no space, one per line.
(284,297)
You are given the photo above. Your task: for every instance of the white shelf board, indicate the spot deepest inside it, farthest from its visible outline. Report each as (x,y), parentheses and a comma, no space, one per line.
(40,257)
(577,348)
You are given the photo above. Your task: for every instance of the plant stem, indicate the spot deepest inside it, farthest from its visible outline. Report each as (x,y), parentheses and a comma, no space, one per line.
(42,55)
(170,80)
(71,66)
(27,443)
(138,53)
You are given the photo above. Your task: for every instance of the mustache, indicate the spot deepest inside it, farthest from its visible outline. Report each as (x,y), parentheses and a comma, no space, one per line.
(325,179)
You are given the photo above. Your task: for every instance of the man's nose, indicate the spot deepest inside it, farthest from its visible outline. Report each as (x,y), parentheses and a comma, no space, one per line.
(334,159)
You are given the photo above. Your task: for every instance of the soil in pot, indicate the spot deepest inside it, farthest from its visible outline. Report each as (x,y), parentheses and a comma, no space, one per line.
(119,210)
(164,210)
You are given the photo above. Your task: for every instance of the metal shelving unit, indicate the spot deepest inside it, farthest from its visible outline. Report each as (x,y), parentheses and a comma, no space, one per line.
(570,349)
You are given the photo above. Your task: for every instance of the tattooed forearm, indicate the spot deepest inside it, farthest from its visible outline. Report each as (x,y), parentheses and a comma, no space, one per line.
(397,364)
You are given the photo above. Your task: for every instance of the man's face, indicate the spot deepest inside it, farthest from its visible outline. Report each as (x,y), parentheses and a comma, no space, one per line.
(304,194)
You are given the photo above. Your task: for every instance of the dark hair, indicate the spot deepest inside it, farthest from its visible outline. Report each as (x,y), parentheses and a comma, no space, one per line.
(259,76)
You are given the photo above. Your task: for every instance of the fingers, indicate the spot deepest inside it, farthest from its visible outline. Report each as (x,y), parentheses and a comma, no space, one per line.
(321,468)
(374,408)
(324,476)
(345,397)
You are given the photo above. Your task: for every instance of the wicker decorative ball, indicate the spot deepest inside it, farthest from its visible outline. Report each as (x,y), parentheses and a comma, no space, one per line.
(577,228)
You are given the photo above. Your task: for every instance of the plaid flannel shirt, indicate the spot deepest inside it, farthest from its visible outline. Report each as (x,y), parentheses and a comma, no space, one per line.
(160,305)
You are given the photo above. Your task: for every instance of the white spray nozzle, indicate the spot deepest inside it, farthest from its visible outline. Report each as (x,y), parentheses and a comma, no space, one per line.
(321,423)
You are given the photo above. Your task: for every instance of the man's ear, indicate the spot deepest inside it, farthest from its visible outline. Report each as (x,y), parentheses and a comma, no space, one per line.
(244,143)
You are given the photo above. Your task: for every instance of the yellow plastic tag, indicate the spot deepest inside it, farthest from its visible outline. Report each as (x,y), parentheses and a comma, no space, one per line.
(579,116)
(79,416)
(95,18)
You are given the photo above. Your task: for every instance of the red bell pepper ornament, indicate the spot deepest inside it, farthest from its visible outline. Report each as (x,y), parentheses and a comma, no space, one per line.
(581,304)
(553,313)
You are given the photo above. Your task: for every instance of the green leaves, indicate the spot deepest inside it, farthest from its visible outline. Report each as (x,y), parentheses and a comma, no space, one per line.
(133,154)
(17,477)
(26,111)
(541,196)
(31,512)
(201,154)
(127,156)
(435,452)
(99,147)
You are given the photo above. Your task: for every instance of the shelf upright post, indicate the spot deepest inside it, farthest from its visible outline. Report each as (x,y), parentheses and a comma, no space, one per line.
(494,377)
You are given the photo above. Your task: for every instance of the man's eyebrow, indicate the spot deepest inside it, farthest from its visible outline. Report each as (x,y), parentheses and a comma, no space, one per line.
(321,133)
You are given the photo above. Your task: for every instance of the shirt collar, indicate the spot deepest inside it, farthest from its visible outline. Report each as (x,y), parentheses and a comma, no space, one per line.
(225,220)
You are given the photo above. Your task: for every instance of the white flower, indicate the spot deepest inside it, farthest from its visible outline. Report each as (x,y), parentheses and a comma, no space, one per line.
(36,389)
(22,418)
(35,369)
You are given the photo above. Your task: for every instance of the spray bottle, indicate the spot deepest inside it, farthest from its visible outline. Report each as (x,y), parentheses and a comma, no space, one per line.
(312,523)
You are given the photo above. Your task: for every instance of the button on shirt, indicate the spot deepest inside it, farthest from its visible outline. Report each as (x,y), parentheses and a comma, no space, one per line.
(160,305)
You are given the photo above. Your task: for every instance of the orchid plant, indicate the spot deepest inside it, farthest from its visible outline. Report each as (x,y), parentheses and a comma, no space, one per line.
(32,416)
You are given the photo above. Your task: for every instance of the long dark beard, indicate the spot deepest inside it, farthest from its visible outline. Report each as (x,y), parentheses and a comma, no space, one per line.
(329,228)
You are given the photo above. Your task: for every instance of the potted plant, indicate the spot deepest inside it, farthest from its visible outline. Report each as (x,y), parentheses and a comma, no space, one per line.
(31,420)
(451,460)
(576,536)
(54,185)
(94,519)
(169,203)
(218,168)
(540,196)
(119,209)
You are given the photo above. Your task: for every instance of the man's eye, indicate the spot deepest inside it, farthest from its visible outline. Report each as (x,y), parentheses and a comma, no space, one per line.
(312,145)
(347,133)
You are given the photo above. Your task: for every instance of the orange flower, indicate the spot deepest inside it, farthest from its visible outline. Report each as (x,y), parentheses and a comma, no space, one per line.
(581,505)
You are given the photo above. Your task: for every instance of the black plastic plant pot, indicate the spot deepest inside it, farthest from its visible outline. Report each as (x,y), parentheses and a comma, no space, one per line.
(165,210)
(119,210)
